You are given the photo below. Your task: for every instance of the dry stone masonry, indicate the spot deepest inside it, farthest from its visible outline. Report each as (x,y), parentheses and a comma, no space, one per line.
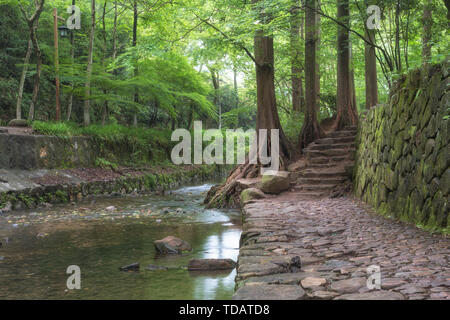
(402,161)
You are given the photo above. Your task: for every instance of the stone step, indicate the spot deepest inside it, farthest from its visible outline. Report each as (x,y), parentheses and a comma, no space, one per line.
(329,153)
(315,187)
(322,165)
(328,160)
(353,128)
(317,181)
(327,173)
(334,140)
(345,146)
(309,194)
(342,133)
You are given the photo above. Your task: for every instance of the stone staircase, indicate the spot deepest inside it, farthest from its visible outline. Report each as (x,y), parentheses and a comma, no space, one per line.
(329,164)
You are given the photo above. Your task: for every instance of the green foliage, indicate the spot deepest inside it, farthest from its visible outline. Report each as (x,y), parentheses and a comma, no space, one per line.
(166,79)
(292,126)
(103,163)
(59,129)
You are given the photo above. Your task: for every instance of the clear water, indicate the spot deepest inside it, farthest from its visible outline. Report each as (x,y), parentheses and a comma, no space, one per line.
(38,246)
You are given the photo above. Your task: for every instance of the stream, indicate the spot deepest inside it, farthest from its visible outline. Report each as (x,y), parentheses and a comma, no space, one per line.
(102,234)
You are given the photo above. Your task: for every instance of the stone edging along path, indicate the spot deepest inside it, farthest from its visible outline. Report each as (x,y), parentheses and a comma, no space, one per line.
(293,247)
(21,189)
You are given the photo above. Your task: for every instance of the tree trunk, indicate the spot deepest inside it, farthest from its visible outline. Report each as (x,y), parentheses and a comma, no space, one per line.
(235,86)
(353,104)
(114,34)
(311,129)
(317,28)
(136,90)
(346,113)
(72,59)
(267,113)
(397,36)
(33,22)
(87,105)
(266,118)
(37,77)
(105,50)
(22,80)
(426,37)
(296,57)
(371,71)
(216,84)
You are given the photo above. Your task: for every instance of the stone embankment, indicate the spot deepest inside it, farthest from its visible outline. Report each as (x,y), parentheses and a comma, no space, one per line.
(20,189)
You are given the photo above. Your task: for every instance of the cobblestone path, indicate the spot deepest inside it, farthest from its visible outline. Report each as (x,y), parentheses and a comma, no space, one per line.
(294,248)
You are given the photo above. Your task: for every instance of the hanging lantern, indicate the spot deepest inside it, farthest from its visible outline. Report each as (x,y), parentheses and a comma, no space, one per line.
(63,31)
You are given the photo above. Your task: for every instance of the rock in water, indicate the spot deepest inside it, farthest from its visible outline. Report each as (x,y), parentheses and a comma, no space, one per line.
(130,267)
(172,244)
(251,194)
(211,264)
(275,182)
(152,267)
(110,208)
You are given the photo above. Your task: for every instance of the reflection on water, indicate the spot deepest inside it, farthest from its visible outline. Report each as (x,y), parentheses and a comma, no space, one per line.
(38,246)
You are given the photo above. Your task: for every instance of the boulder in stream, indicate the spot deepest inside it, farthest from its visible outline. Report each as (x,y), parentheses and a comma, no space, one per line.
(211,264)
(131,267)
(172,244)
(152,267)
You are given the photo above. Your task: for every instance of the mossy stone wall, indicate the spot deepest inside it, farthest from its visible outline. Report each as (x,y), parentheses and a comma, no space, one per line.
(29,152)
(402,161)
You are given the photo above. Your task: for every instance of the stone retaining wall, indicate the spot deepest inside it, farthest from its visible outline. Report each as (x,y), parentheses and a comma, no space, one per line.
(19,189)
(402,161)
(30,152)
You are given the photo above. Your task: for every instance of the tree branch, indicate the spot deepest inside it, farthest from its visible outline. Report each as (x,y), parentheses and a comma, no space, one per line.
(236,43)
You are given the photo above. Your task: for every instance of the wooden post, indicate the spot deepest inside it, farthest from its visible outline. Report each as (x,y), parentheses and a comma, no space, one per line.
(55,36)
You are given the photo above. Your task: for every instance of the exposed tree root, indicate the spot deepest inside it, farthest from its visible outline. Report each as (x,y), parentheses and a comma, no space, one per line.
(227,194)
(310,132)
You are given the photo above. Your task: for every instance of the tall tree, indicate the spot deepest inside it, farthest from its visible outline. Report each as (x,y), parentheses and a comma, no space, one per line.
(267,113)
(87,105)
(33,22)
(311,129)
(105,106)
(317,28)
(427,21)
(296,57)
(352,97)
(346,113)
(26,62)
(371,70)
(136,72)
(215,78)
(72,59)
